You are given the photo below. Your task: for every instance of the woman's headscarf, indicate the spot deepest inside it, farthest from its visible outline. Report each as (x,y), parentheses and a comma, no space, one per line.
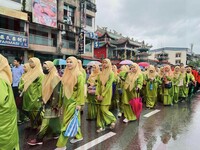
(70,77)
(104,76)
(5,70)
(80,66)
(27,66)
(115,70)
(176,72)
(95,72)
(124,68)
(151,75)
(33,73)
(132,77)
(161,72)
(182,71)
(50,81)
(168,73)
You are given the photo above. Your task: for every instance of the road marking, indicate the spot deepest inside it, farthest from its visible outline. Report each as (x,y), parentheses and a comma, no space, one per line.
(151,113)
(96,141)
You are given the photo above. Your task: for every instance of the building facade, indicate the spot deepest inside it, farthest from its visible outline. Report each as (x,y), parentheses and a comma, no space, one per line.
(172,55)
(115,46)
(51,28)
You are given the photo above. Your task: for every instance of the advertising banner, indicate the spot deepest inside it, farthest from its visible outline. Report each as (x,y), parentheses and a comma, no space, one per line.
(13,40)
(45,12)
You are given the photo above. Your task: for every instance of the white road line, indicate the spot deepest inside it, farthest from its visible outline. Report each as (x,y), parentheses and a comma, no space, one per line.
(151,113)
(96,141)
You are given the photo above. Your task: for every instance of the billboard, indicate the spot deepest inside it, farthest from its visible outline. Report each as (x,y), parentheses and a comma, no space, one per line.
(13,40)
(45,12)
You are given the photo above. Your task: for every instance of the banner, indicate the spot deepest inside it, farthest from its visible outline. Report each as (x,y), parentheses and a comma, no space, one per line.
(81,45)
(13,40)
(45,12)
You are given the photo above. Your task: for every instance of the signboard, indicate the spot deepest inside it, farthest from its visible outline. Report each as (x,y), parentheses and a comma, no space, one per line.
(96,44)
(45,12)
(13,40)
(81,45)
(83,14)
(92,35)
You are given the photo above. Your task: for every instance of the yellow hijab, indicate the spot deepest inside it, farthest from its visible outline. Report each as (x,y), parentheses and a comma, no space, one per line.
(161,72)
(182,71)
(50,81)
(27,66)
(132,77)
(5,70)
(70,77)
(114,68)
(33,73)
(95,72)
(104,76)
(168,73)
(176,72)
(151,75)
(124,68)
(80,66)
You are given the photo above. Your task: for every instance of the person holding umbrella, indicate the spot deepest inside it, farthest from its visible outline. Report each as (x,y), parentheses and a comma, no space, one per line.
(133,83)
(52,103)
(104,95)
(72,90)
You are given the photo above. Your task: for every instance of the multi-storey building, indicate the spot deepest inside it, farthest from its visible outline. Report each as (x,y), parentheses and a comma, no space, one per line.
(172,55)
(51,28)
(117,47)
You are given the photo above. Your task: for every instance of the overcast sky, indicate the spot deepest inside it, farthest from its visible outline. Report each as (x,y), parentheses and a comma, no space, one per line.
(161,23)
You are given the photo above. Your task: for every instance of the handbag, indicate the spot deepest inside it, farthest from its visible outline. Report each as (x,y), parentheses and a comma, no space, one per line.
(168,85)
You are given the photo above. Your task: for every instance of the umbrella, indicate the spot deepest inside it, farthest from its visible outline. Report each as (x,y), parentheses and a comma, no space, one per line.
(136,105)
(93,63)
(144,64)
(126,62)
(73,126)
(59,62)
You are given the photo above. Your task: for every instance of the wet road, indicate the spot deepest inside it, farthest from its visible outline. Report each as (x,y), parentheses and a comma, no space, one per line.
(174,127)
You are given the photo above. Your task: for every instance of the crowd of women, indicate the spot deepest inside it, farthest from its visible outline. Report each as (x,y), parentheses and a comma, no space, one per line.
(50,101)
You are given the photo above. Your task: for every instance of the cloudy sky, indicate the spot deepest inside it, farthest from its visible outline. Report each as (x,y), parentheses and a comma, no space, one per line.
(161,23)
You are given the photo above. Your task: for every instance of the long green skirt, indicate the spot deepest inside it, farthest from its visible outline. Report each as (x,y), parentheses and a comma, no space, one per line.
(128,113)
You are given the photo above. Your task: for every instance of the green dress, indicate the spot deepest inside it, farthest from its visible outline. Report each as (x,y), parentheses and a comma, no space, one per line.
(32,99)
(104,116)
(152,91)
(168,93)
(69,107)
(92,103)
(9,138)
(115,94)
(183,93)
(176,82)
(128,95)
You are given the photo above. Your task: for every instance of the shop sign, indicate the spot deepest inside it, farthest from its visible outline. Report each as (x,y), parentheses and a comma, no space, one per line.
(13,40)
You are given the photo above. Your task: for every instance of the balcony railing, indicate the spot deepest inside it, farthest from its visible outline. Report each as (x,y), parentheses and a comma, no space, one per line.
(69,44)
(6,31)
(41,40)
(91,6)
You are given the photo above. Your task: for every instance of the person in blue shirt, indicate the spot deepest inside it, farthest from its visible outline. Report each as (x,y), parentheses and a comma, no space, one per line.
(17,72)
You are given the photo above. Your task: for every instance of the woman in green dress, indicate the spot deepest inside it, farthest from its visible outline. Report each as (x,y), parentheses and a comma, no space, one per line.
(176,83)
(52,102)
(104,95)
(9,139)
(31,88)
(115,95)
(91,98)
(167,88)
(73,99)
(152,82)
(133,83)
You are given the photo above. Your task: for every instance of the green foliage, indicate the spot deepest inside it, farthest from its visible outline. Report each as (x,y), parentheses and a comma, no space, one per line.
(195,63)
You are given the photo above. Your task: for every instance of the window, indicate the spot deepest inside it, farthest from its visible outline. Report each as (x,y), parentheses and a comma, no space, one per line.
(89,21)
(178,54)
(88,45)
(178,61)
(69,14)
